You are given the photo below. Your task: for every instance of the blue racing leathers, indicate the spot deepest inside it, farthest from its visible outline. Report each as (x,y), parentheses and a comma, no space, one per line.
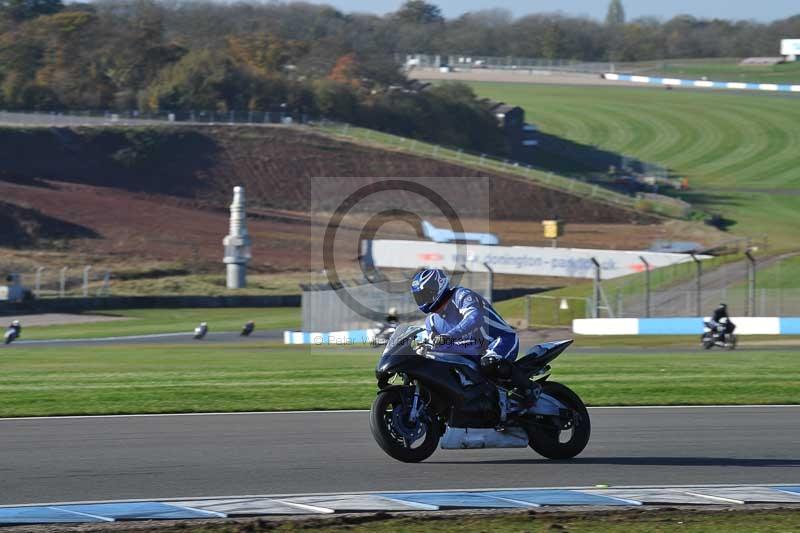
(474,327)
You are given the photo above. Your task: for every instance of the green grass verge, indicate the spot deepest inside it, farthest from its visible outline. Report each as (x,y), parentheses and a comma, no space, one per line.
(153,321)
(726,69)
(720,141)
(38,381)
(783,275)
(650,521)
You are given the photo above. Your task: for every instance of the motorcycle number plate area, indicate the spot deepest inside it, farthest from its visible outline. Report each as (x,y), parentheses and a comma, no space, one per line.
(480,438)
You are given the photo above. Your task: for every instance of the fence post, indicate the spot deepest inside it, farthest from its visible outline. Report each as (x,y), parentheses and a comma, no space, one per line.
(528,315)
(62,282)
(38,286)
(646,286)
(699,302)
(106,290)
(596,289)
(86,270)
(490,280)
(751,281)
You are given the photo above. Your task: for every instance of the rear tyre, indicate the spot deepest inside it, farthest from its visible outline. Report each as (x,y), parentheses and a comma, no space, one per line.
(405,441)
(563,442)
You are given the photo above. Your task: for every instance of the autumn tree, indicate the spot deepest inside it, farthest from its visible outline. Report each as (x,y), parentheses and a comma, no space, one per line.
(346,71)
(20,10)
(419,12)
(616,13)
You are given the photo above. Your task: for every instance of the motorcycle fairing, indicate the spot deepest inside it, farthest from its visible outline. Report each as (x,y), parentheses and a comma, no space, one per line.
(541,354)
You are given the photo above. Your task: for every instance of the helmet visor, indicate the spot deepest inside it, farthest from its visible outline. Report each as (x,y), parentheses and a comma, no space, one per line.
(427,295)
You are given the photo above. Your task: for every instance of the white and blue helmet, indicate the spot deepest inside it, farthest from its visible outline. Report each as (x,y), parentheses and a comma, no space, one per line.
(430,287)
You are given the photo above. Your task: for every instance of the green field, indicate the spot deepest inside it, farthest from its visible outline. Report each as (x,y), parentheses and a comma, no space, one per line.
(153,321)
(718,70)
(255,376)
(740,152)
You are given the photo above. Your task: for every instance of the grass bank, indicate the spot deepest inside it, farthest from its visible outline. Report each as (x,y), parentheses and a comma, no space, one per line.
(626,521)
(739,151)
(254,376)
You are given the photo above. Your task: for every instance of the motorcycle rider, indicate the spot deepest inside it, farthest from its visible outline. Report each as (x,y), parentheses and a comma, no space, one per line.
(388,326)
(17,327)
(461,321)
(716,319)
(391,317)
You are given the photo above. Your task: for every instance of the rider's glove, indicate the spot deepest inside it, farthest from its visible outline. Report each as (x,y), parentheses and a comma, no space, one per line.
(441,340)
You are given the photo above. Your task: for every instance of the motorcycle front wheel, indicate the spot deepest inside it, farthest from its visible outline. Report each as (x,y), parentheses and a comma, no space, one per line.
(406,441)
(567,441)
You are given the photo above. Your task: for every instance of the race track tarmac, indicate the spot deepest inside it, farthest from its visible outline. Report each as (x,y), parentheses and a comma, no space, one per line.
(100,458)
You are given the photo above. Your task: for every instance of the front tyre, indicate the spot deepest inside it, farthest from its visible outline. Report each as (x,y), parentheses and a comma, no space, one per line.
(395,434)
(567,440)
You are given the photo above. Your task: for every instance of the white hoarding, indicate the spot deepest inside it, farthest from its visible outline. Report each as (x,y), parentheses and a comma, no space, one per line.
(790,47)
(521,260)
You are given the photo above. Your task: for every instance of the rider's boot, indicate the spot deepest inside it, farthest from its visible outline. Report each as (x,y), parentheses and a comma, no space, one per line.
(525,391)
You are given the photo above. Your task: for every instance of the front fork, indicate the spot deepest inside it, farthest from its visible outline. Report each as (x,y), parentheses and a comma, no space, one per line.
(413,414)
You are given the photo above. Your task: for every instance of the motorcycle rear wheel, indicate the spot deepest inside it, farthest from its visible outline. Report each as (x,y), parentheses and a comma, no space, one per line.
(547,442)
(389,438)
(730,343)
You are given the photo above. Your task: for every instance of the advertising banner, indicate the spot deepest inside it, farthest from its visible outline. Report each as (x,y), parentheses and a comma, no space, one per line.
(518,260)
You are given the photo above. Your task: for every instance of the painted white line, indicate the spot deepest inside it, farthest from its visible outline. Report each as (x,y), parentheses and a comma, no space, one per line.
(79,513)
(340,411)
(715,406)
(306,507)
(212,513)
(163,415)
(715,498)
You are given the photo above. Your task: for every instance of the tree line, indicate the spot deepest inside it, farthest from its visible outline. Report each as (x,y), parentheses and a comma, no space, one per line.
(200,55)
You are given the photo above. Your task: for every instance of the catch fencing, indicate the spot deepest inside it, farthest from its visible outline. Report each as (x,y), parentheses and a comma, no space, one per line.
(473,62)
(362,305)
(86,281)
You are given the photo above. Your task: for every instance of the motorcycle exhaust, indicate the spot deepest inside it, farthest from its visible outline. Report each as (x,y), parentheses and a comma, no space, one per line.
(479,438)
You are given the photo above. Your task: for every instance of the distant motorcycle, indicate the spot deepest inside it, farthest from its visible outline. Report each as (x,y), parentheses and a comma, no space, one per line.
(200,331)
(716,334)
(248,328)
(12,333)
(384,333)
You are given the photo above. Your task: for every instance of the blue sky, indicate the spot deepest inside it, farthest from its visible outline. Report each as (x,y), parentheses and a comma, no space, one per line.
(763,10)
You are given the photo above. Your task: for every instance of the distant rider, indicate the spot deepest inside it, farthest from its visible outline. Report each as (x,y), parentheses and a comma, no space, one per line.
(17,327)
(391,317)
(461,321)
(720,313)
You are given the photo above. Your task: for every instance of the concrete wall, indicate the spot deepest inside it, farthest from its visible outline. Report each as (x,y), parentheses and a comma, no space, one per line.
(683,326)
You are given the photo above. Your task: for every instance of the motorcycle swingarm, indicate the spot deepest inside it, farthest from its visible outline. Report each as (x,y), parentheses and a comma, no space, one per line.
(546,405)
